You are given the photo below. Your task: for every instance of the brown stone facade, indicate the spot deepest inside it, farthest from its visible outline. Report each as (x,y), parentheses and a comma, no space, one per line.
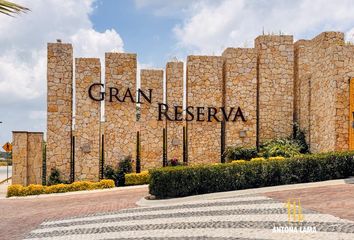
(204,89)
(87,119)
(240,79)
(276,84)
(120,118)
(174,97)
(27,157)
(151,130)
(59,107)
(275,57)
(324,67)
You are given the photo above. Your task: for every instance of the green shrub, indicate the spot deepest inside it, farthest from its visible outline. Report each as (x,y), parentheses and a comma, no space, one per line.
(189,180)
(280,147)
(117,174)
(300,139)
(125,165)
(109,172)
(55,177)
(35,189)
(137,178)
(238,153)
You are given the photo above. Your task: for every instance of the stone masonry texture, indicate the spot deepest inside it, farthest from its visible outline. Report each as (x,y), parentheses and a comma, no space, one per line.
(282,82)
(87,119)
(275,83)
(324,66)
(19,158)
(34,157)
(240,79)
(151,130)
(120,128)
(59,107)
(174,97)
(27,158)
(204,89)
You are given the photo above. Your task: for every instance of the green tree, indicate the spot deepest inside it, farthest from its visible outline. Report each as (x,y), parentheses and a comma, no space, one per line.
(10,8)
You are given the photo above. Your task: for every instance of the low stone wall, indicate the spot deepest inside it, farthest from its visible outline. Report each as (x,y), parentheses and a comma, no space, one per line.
(27,157)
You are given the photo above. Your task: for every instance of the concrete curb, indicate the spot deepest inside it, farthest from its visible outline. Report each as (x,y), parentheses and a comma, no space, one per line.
(154,203)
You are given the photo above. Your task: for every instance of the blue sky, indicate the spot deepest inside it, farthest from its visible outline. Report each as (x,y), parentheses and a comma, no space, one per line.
(157,30)
(142,32)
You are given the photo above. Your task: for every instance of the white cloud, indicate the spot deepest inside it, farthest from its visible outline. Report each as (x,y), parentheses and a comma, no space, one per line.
(210,28)
(23,46)
(89,43)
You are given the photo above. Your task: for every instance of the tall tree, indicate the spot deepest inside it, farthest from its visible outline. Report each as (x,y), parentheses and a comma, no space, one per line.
(10,8)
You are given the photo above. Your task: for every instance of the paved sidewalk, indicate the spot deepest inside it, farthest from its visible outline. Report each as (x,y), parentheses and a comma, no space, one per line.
(337,200)
(19,216)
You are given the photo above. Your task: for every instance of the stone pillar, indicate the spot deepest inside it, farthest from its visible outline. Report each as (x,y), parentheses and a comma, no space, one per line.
(27,158)
(87,119)
(120,127)
(276,86)
(174,97)
(204,89)
(151,130)
(323,67)
(240,76)
(59,107)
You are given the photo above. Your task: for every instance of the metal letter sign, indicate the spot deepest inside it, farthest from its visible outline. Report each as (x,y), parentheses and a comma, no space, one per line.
(7,147)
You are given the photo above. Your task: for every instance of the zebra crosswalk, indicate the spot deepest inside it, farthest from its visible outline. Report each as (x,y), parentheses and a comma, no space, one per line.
(243,217)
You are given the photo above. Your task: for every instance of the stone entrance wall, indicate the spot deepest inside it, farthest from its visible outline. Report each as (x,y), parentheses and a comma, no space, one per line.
(120,128)
(151,130)
(240,77)
(324,66)
(276,84)
(174,97)
(87,119)
(204,89)
(59,107)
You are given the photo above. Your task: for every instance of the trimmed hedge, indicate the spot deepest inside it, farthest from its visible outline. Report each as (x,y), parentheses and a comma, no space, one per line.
(184,181)
(36,189)
(137,178)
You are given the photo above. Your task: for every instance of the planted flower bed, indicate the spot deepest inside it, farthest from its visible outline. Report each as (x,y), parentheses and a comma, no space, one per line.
(36,189)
